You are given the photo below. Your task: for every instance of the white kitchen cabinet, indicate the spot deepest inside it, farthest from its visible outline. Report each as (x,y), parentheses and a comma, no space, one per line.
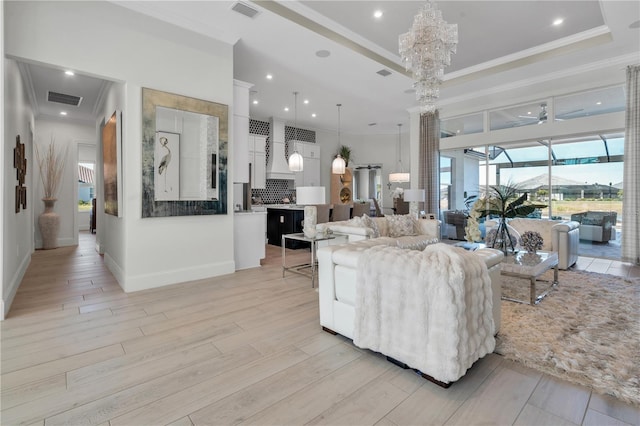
(310,174)
(258,161)
(241,131)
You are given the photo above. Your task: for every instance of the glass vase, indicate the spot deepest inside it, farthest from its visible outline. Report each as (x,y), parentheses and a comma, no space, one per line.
(504,241)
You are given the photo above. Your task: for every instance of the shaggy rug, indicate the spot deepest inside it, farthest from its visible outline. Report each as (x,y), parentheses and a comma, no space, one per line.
(586,331)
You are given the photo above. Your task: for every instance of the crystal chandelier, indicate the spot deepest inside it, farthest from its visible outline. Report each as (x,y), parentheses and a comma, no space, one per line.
(426,49)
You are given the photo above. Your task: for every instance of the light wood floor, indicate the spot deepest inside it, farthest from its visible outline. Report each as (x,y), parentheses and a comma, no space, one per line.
(242,348)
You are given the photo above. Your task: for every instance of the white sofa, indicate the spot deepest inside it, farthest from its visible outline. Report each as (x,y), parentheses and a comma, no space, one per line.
(562,236)
(424,231)
(338,275)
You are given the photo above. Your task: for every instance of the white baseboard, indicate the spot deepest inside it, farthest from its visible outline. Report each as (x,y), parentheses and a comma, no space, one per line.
(115,269)
(5,304)
(164,278)
(62,242)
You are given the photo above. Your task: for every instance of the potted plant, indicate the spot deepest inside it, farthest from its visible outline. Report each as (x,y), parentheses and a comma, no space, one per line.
(345,153)
(51,164)
(505,203)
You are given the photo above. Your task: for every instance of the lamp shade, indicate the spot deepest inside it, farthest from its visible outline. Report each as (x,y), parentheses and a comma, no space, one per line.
(338,166)
(399,177)
(414,195)
(295,162)
(306,195)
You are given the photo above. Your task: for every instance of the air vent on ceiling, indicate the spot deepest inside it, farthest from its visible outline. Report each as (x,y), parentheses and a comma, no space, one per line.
(244,9)
(384,72)
(62,98)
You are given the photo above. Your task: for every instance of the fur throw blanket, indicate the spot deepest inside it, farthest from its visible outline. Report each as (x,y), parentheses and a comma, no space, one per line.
(431,309)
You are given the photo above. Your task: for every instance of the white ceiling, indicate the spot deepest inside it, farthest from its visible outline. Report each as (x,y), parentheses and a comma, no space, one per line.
(502,44)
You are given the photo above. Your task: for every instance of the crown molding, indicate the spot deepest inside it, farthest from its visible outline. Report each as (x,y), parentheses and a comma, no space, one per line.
(153,9)
(25,71)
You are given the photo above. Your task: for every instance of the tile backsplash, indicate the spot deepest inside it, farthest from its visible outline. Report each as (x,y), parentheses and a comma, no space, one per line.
(276,190)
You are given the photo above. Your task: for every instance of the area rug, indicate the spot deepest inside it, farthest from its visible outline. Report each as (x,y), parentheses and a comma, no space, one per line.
(586,331)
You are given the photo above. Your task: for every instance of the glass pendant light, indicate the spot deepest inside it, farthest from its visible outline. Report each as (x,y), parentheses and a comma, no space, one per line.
(400,176)
(338,165)
(295,160)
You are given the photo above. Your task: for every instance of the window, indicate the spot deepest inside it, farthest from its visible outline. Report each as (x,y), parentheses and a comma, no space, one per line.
(85,186)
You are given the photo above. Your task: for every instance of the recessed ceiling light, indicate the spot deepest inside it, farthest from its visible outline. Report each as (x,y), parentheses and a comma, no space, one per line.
(634,25)
(529,113)
(372,124)
(558,21)
(269,76)
(306,101)
(69,72)
(598,103)
(377,14)
(255,102)
(286,108)
(63,112)
(323,53)
(313,115)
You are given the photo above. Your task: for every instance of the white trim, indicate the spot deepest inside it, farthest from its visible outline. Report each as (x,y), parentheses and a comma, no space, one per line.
(513,60)
(114,268)
(164,278)
(152,9)
(13,286)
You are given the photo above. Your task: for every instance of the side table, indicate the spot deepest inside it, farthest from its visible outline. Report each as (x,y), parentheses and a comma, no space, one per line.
(308,269)
(530,266)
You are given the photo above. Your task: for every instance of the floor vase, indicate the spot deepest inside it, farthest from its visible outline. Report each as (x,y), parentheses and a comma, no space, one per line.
(49,224)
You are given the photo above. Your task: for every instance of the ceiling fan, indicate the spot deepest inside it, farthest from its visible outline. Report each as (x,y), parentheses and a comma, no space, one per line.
(369,167)
(542,116)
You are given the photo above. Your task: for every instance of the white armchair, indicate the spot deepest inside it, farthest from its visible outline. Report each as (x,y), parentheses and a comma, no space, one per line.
(562,236)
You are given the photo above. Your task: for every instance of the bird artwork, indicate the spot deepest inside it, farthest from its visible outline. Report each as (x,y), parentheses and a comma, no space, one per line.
(164,162)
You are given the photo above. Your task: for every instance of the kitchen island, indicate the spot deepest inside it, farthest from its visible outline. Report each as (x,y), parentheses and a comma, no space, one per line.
(285,219)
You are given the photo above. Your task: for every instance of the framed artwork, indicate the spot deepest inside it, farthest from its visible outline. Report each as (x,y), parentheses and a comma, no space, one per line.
(112,164)
(166,166)
(193,134)
(20,164)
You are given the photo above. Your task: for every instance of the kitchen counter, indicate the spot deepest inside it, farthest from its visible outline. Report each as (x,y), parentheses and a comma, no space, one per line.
(284,206)
(243,212)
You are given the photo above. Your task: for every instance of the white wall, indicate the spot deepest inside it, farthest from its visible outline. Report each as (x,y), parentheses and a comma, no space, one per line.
(66,134)
(365,149)
(118,44)
(17,228)
(110,238)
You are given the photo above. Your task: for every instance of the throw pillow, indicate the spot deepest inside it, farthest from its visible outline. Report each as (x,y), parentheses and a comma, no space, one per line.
(356,221)
(401,225)
(416,242)
(371,224)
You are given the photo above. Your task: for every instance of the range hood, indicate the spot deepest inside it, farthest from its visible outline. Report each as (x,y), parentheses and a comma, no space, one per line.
(277,166)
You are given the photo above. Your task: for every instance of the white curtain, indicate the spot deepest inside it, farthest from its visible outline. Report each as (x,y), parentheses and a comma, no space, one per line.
(631,182)
(429,161)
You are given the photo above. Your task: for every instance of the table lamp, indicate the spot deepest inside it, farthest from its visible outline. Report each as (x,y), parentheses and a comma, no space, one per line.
(414,197)
(308,196)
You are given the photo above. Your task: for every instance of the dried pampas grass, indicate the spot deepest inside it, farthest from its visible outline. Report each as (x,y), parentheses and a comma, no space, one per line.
(51,163)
